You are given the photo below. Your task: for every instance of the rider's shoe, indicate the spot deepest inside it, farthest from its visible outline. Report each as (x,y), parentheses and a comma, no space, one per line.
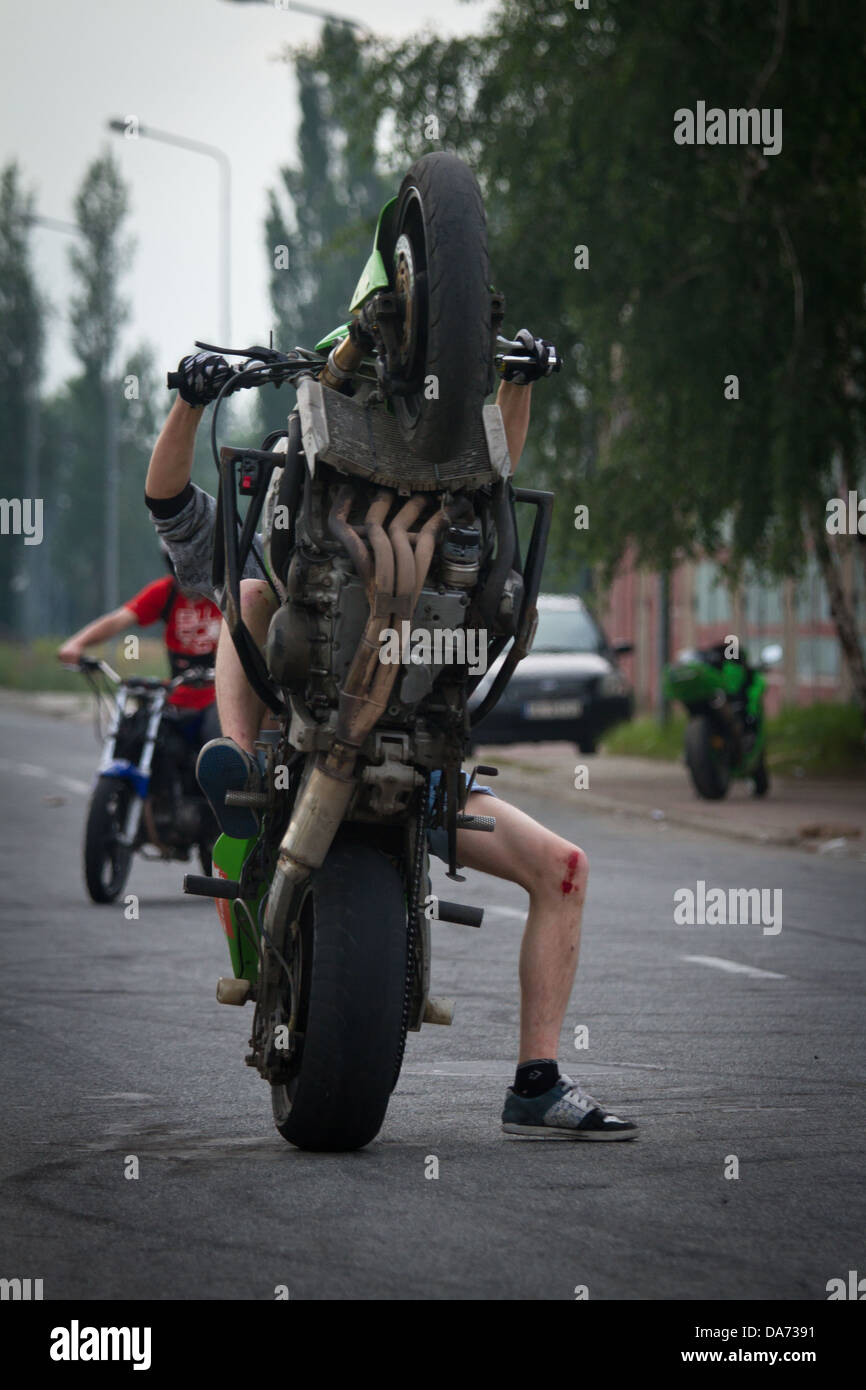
(563,1112)
(223,766)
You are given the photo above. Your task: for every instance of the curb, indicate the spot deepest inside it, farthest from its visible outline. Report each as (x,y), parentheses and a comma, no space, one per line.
(611,805)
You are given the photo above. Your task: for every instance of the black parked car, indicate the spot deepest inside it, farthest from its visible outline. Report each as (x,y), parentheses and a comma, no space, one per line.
(568,687)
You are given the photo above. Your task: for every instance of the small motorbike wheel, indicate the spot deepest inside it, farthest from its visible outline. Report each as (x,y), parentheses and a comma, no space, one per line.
(106,861)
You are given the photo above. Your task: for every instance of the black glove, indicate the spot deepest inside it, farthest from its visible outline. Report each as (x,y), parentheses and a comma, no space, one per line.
(540,359)
(200,378)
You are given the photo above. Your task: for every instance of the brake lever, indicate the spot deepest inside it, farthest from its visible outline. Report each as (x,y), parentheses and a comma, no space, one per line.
(267,355)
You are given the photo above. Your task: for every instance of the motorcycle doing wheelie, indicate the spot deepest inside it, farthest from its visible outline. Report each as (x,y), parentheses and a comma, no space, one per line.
(145,796)
(725,735)
(391,541)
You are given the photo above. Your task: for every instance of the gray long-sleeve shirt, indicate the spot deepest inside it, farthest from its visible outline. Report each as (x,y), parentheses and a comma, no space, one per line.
(189,537)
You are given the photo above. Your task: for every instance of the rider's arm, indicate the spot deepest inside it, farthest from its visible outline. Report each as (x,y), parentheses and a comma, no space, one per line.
(98,631)
(513,401)
(168,475)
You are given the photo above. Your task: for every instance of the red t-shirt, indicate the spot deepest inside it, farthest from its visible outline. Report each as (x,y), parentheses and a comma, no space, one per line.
(192,627)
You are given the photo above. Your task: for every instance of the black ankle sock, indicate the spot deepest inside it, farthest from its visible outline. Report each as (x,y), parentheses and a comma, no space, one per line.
(534,1078)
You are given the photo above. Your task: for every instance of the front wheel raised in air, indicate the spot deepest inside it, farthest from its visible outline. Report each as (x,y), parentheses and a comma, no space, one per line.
(349,965)
(106,860)
(708,758)
(439,267)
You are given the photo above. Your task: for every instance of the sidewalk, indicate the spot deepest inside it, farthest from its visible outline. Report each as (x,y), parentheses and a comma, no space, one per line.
(826,816)
(54,704)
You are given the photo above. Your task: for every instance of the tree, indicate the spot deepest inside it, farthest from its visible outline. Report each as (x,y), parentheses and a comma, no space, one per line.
(705,262)
(321,218)
(88,470)
(22,333)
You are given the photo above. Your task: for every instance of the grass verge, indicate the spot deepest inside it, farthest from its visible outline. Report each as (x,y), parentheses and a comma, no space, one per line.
(819,740)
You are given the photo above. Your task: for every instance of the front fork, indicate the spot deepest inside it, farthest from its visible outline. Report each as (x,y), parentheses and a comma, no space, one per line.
(141,782)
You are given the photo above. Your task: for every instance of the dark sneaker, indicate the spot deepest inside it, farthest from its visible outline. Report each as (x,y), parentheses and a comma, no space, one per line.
(563,1112)
(223,766)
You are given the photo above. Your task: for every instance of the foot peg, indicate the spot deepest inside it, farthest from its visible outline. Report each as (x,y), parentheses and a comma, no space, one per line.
(465,822)
(231,991)
(200,886)
(257,800)
(439,1010)
(460,913)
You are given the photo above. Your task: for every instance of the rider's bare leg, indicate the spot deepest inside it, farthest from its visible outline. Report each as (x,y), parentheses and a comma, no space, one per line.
(241,711)
(554,874)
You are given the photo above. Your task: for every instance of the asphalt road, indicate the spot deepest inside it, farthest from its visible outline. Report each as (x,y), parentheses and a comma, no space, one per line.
(113,1047)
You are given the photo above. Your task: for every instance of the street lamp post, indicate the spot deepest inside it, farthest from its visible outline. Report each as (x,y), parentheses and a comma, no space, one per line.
(314,10)
(131,130)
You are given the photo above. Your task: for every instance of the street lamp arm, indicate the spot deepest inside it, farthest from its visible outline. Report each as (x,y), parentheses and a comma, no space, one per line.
(315,10)
(149,132)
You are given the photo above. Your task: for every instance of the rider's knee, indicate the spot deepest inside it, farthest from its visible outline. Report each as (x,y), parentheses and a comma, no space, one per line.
(255,596)
(561,870)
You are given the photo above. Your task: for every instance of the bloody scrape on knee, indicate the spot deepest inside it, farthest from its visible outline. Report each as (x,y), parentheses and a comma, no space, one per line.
(568,884)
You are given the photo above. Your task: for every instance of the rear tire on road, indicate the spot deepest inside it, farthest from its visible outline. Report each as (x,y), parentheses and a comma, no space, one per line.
(351,976)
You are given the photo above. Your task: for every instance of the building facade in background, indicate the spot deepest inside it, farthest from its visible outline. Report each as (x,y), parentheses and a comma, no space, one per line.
(702,610)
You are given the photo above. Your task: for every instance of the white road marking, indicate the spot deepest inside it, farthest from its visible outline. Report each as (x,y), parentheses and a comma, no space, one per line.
(734,967)
(123,1095)
(71,784)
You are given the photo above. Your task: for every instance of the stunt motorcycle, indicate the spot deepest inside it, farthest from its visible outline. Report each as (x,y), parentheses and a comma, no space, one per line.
(725,735)
(387,509)
(145,797)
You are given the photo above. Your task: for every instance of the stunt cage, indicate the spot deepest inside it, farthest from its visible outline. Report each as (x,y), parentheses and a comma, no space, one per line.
(361,440)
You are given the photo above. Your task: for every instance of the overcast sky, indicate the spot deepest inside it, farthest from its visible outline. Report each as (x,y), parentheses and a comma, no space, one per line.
(206,69)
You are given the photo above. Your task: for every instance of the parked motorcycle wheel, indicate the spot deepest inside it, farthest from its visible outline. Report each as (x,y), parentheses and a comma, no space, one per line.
(106,862)
(439,263)
(707,758)
(349,969)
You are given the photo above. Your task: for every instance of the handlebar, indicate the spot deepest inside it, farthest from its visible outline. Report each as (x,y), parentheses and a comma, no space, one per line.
(196,675)
(262,365)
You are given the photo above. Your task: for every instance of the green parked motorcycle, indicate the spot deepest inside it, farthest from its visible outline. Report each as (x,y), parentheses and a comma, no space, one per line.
(725,735)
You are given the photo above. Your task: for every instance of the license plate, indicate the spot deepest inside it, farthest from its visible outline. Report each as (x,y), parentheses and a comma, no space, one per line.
(552,709)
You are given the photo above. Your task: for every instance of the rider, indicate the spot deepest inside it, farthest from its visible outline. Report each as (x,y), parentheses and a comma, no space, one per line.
(541,1102)
(192,628)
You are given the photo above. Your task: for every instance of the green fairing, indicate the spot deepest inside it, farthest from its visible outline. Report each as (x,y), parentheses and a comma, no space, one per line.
(229,856)
(755,694)
(333,337)
(373,277)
